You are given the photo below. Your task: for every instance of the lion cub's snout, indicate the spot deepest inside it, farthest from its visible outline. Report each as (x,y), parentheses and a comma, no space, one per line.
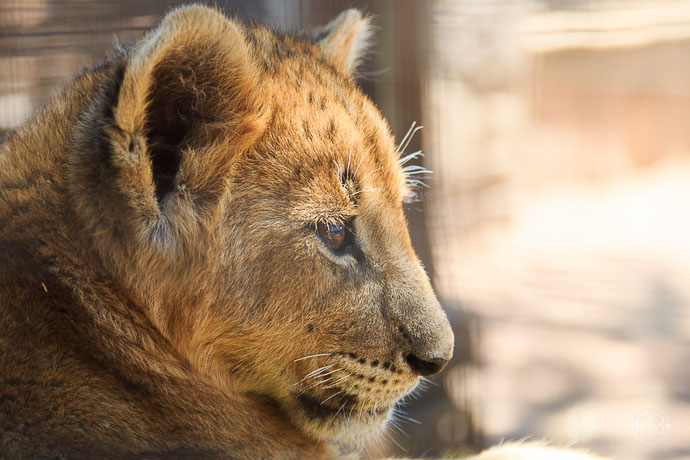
(423,330)
(427,350)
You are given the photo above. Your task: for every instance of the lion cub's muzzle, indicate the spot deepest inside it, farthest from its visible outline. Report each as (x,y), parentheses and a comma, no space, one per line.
(423,335)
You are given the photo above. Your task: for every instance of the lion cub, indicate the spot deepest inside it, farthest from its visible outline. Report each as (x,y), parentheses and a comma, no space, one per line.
(205,254)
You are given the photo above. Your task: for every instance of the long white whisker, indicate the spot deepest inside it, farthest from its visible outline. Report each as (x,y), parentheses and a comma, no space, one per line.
(327,373)
(408,137)
(361,159)
(337,381)
(325,379)
(370,172)
(429,381)
(340,171)
(336,414)
(410,157)
(366,189)
(393,440)
(414,170)
(407,134)
(334,394)
(416,182)
(395,423)
(401,414)
(311,356)
(317,371)
(361,408)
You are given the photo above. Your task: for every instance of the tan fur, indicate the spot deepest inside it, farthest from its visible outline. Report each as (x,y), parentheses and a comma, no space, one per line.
(164,292)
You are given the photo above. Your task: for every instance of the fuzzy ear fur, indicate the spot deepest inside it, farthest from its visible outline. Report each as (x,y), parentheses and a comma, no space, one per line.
(346,39)
(153,153)
(191,74)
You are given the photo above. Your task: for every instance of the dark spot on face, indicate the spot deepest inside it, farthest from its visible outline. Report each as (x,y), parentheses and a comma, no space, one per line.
(372,379)
(352,355)
(401,328)
(310,327)
(386,365)
(360,376)
(330,133)
(131,145)
(362,361)
(323,103)
(396,381)
(307,130)
(393,369)
(385,382)
(310,98)
(375,363)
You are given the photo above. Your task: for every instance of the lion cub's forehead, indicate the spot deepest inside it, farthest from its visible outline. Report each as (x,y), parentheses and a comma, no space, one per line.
(323,131)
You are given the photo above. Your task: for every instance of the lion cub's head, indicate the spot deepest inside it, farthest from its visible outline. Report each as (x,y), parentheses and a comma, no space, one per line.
(248,197)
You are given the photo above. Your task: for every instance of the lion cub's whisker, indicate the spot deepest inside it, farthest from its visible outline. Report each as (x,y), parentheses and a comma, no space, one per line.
(358,166)
(317,371)
(327,374)
(429,381)
(366,189)
(408,137)
(397,425)
(337,381)
(319,382)
(410,156)
(341,408)
(312,356)
(400,413)
(331,396)
(370,172)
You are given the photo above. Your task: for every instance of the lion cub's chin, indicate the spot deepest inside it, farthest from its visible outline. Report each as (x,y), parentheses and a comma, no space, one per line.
(349,424)
(344,418)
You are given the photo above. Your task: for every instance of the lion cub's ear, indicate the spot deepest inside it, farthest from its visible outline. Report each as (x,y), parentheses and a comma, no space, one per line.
(345,39)
(186,85)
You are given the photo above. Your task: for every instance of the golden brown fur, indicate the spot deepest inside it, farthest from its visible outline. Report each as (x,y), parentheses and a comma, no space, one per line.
(164,286)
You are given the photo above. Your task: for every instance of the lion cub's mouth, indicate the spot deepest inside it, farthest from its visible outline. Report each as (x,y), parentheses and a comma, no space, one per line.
(352,390)
(346,405)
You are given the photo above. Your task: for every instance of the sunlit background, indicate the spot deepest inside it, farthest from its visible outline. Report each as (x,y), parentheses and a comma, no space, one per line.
(556,226)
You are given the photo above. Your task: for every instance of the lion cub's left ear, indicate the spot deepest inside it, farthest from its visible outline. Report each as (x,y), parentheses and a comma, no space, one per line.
(346,39)
(175,112)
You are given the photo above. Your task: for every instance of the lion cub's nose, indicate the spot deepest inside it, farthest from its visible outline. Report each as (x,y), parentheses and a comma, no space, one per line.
(425,367)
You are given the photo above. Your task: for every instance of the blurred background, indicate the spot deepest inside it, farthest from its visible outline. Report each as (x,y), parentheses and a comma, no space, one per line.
(556,226)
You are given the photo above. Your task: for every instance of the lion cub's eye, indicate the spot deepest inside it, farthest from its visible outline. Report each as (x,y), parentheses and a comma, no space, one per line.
(332,234)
